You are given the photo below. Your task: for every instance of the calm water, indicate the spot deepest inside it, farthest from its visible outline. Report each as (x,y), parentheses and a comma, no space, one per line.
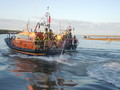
(94,66)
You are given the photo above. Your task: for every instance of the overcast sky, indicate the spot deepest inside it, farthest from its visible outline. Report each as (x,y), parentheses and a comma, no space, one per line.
(81,10)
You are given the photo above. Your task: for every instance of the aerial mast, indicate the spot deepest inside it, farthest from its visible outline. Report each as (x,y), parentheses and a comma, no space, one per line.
(48,18)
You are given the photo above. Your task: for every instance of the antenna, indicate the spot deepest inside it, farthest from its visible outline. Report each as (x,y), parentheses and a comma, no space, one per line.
(27,26)
(48,18)
(47,13)
(47,8)
(46,23)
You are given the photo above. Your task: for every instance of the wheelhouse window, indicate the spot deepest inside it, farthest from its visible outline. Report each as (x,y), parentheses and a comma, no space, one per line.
(22,37)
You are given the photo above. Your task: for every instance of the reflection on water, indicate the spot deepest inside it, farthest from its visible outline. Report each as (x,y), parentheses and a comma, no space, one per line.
(39,74)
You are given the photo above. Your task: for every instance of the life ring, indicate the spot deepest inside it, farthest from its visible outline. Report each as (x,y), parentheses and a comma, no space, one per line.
(61,44)
(50,43)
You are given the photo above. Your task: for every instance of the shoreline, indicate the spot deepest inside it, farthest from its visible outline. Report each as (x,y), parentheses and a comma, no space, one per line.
(102,37)
(5,31)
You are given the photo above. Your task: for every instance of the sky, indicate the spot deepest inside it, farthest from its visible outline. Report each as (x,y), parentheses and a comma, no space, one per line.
(98,11)
(86,16)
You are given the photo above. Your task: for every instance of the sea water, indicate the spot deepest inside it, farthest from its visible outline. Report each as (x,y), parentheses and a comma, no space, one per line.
(95,65)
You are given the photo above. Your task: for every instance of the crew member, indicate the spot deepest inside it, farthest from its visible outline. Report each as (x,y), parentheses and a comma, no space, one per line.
(37,42)
(50,34)
(46,39)
(75,42)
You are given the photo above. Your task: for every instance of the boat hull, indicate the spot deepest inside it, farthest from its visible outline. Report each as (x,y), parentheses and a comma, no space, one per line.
(32,52)
(70,47)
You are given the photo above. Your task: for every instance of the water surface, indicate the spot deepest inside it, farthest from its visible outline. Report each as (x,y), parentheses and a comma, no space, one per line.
(95,65)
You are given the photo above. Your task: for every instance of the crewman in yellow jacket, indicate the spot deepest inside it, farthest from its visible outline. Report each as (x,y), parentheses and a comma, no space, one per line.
(46,39)
(38,42)
(50,34)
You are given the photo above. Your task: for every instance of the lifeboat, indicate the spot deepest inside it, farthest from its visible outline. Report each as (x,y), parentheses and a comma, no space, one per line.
(36,42)
(32,43)
(71,42)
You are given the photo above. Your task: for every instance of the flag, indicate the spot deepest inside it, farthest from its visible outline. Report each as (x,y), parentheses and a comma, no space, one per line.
(49,19)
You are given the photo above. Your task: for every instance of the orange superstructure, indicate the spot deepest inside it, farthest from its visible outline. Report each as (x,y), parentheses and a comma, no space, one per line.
(24,43)
(26,40)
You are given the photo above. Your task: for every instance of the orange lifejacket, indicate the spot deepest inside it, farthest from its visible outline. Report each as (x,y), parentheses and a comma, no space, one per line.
(50,43)
(60,44)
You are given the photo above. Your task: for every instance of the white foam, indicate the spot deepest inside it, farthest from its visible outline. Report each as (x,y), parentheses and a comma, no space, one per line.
(64,59)
(109,72)
(3,67)
(66,62)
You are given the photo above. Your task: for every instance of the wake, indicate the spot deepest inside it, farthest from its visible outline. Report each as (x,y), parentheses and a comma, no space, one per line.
(108,72)
(60,59)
